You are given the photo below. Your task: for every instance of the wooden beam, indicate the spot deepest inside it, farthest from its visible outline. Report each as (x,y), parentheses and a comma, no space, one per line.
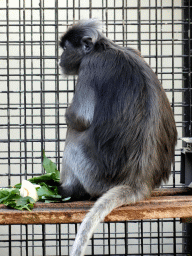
(163,204)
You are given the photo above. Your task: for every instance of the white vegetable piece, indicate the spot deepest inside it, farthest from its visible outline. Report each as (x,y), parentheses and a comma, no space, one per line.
(28,189)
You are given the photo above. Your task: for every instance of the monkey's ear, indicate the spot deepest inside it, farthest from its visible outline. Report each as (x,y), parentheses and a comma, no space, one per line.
(87,44)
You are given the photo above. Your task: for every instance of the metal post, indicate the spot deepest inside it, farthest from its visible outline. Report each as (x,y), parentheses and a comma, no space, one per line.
(187,110)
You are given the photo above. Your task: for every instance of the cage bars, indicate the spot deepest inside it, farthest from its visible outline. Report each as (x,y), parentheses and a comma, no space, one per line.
(157,32)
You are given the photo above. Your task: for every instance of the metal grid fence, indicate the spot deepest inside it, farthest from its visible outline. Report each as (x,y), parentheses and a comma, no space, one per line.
(34,97)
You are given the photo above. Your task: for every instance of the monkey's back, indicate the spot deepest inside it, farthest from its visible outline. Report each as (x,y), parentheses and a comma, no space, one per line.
(133,130)
(121,131)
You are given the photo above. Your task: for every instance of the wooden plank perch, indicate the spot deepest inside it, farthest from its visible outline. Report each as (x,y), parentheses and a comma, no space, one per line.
(164,203)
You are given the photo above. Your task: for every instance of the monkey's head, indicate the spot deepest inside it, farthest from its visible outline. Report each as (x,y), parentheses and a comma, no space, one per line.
(77,42)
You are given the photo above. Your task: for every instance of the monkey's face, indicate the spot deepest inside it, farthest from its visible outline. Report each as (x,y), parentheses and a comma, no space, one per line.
(70,59)
(75,45)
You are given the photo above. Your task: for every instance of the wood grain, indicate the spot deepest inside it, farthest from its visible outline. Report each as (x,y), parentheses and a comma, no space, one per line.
(171,203)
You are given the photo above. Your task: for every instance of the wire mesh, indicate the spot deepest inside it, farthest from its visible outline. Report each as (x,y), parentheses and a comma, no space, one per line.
(34,96)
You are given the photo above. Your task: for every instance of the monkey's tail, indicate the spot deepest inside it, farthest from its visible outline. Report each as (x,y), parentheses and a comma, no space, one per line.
(112,199)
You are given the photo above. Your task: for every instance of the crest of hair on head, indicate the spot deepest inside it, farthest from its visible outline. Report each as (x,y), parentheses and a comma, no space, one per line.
(91,28)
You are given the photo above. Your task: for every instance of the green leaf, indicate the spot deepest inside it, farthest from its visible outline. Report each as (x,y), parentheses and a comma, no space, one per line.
(44,178)
(18,186)
(11,198)
(44,191)
(24,203)
(52,174)
(3,195)
(8,194)
(49,166)
(47,192)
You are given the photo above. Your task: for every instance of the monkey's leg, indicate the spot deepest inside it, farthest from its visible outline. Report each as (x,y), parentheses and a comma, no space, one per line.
(114,198)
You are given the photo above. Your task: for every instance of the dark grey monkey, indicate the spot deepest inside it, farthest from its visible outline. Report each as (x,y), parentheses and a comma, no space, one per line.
(121,130)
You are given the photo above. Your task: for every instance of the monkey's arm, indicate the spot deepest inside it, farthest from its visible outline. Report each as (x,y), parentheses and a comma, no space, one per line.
(80,114)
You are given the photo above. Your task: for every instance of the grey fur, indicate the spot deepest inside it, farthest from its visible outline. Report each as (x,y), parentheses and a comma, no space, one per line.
(121,130)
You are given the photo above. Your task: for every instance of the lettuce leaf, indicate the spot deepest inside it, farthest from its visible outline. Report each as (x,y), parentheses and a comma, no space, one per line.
(47,190)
